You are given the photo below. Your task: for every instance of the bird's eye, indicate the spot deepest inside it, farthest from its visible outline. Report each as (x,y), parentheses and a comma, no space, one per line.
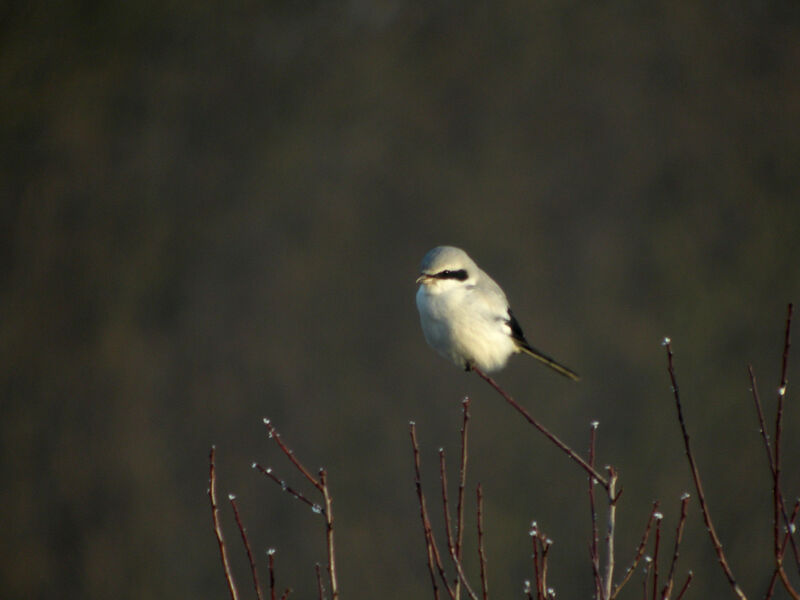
(460,274)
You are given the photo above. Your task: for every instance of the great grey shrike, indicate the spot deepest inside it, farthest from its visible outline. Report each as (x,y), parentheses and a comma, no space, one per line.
(465,315)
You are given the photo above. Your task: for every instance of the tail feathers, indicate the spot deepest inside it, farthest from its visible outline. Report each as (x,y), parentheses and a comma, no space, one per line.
(550,362)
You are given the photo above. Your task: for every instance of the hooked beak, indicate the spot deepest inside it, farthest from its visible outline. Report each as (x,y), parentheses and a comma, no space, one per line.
(423,278)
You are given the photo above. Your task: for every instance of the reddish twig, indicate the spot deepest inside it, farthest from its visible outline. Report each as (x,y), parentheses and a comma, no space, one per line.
(274,435)
(462,477)
(552,437)
(646,577)
(639,552)
(320,586)
(537,575)
(316,508)
(685,587)
(787,344)
(434,559)
(594,553)
(481,549)
(723,561)
(656,545)
(247,548)
(541,547)
(786,537)
(321,484)
(286,593)
(212,495)
(271,561)
(667,591)
(451,544)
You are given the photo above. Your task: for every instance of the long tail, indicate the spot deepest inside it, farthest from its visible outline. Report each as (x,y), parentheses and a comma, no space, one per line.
(550,362)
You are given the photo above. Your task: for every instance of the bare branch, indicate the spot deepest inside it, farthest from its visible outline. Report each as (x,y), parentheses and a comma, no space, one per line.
(639,552)
(611,524)
(212,495)
(430,543)
(271,561)
(723,561)
(320,587)
(481,549)
(287,488)
(462,477)
(326,496)
(594,553)
(685,585)
(667,591)
(552,437)
(247,548)
(273,434)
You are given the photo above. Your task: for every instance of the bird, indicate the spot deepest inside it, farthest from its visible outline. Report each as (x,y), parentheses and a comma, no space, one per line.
(465,315)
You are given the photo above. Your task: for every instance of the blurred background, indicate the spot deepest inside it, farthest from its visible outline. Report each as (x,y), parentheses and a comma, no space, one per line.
(215,213)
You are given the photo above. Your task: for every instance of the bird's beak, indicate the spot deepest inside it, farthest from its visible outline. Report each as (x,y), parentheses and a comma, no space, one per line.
(423,278)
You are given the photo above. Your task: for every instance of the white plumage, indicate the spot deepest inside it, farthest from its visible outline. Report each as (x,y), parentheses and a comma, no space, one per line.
(465,315)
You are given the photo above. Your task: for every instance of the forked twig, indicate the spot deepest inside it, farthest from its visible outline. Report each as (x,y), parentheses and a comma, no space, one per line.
(326,510)
(247,548)
(212,495)
(667,591)
(639,552)
(541,548)
(274,435)
(723,561)
(552,437)
(656,546)
(463,578)
(434,559)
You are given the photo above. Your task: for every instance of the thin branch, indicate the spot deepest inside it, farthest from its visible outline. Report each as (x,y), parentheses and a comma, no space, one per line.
(287,488)
(430,543)
(320,587)
(685,587)
(594,553)
(786,536)
(667,591)
(463,577)
(326,496)
(646,577)
(462,477)
(247,548)
(656,546)
(273,434)
(611,524)
(212,495)
(271,561)
(779,504)
(639,552)
(552,437)
(481,549)
(451,544)
(723,561)
(537,574)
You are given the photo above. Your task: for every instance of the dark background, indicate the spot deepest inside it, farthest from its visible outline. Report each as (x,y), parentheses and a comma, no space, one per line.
(214,212)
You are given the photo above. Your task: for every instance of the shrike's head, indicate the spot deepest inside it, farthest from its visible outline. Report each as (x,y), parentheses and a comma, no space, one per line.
(447,267)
